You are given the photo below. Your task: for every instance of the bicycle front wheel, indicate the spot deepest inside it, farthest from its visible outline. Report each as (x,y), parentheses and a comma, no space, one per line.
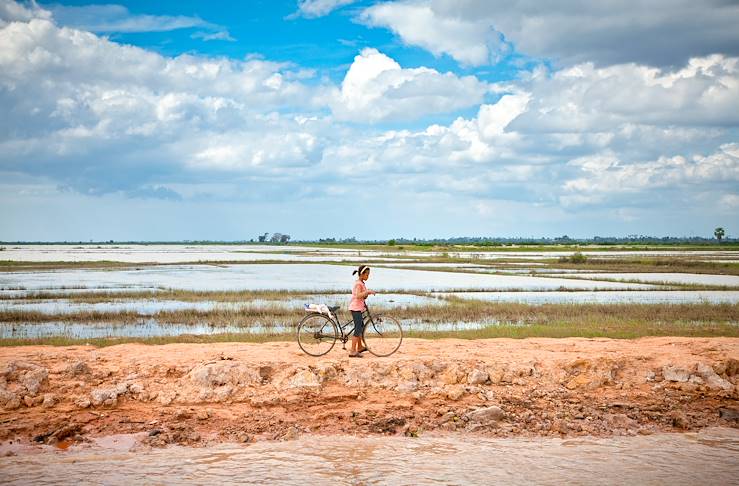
(317,334)
(383,335)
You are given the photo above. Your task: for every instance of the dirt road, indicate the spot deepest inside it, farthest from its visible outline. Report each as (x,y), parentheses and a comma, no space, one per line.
(198,393)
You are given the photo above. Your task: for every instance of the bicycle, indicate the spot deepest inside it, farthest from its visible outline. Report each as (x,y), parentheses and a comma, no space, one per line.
(317,333)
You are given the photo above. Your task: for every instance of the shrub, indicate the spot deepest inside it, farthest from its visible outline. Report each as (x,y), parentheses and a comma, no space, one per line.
(576,257)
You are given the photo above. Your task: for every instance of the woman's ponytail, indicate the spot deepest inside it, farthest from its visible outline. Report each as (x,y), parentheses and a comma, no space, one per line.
(360,270)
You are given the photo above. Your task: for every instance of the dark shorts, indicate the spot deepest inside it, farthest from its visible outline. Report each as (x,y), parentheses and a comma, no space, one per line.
(358,323)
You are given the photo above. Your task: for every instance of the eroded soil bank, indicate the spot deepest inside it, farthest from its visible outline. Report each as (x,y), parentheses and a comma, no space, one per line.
(204,393)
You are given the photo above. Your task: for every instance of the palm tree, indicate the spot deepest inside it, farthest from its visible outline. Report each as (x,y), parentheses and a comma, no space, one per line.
(719,233)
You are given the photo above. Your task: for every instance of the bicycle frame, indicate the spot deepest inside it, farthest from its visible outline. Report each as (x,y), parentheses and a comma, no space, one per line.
(345,335)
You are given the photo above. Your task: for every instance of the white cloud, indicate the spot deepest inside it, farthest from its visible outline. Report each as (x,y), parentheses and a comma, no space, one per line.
(11,11)
(568,32)
(376,88)
(98,117)
(102,117)
(606,175)
(583,98)
(319,8)
(418,24)
(107,18)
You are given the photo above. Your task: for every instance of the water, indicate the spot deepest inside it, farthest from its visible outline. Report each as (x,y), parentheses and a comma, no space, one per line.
(298,277)
(174,253)
(148,307)
(150,328)
(605,297)
(146,328)
(707,457)
(193,253)
(680,278)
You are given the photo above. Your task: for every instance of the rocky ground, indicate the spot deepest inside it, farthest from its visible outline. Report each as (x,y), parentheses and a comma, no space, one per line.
(205,393)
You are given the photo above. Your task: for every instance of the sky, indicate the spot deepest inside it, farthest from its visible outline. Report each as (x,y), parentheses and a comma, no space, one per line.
(193,120)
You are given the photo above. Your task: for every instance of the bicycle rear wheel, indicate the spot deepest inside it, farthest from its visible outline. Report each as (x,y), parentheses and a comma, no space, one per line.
(383,335)
(317,334)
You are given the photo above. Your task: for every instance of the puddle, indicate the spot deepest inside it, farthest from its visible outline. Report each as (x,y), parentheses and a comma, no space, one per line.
(605,297)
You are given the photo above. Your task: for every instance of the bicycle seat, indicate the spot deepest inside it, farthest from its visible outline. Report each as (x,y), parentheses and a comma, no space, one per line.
(334,308)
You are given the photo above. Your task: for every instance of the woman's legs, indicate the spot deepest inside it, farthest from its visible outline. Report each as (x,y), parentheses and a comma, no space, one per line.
(358,330)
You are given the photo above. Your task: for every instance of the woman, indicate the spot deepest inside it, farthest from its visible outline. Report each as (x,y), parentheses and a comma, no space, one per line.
(357,306)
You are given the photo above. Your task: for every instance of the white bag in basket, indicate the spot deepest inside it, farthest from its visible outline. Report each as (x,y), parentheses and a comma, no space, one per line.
(319,308)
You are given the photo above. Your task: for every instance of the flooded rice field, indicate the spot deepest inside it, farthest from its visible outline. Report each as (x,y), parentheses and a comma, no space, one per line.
(189,253)
(705,457)
(151,328)
(605,297)
(293,277)
(671,278)
(324,274)
(147,307)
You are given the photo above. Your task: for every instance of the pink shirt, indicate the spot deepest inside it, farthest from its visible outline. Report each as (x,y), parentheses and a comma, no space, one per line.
(356,303)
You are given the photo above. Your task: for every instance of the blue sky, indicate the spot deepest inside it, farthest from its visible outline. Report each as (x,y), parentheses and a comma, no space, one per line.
(338,118)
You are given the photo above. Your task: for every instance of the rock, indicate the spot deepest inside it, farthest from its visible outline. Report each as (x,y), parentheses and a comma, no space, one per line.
(30,375)
(650,376)
(33,379)
(359,376)
(679,420)
(49,400)
(729,413)
(447,417)
(82,402)
(326,371)
(104,396)
(674,373)
(712,380)
(222,373)
(407,386)
(166,397)
(304,379)
(291,434)
(451,375)
(621,421)
(477,377)
(202,415)
(181,414)
(454,392)
(486,415)
(732,367)
(28,400)
(155,432)
(406,373)
(243,437)
(78,368)
(486,395)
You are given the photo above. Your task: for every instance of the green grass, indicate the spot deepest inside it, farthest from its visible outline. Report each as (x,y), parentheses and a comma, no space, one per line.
(513,320)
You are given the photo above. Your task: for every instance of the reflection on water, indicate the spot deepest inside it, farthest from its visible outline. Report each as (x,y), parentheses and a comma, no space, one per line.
(679,278)
(148,307)
(606,297)
(708,457)
(320,277)
(149,328)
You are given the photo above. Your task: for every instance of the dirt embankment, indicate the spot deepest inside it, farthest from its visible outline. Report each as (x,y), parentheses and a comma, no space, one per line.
(192,394)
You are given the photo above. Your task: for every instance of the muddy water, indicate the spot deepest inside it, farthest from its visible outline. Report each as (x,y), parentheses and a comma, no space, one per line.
(708,457)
